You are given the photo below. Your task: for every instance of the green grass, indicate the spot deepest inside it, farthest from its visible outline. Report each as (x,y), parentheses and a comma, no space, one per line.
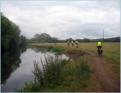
(60,75)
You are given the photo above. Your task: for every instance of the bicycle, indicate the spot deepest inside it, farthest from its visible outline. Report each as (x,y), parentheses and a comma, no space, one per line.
(99,51)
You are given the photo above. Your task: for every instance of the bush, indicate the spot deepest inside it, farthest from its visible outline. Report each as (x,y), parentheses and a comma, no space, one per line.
(48,76)
(60,75)
(54,49)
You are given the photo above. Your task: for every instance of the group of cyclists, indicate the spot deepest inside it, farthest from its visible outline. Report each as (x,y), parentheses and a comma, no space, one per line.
(75,43)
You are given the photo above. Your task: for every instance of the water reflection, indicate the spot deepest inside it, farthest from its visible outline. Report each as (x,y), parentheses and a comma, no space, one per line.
(25,66)
(9,63)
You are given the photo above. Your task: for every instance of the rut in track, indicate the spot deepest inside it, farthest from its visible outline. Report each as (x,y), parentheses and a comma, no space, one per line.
(103,74)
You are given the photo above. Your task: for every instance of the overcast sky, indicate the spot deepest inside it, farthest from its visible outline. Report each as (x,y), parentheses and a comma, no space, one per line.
(65,19)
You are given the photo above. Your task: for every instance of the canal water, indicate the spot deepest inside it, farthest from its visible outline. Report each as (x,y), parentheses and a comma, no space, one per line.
(23,73)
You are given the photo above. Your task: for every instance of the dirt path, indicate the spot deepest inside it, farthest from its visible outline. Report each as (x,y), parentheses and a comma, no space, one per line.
(102,75)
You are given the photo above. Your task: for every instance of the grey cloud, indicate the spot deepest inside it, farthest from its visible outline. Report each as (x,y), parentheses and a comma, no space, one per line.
(65,19)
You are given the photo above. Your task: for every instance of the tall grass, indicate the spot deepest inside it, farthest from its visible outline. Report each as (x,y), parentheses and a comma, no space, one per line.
(59,75)
(77,75)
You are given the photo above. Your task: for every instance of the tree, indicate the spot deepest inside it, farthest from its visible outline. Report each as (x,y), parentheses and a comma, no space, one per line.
(43,37)
(11,45)
(10,35)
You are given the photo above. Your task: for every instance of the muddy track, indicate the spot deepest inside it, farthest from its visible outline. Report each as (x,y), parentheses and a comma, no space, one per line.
(103,75)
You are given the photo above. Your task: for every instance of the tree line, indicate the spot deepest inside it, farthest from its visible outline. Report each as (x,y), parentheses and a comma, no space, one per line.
(44,37)
(12,44)
(11,39)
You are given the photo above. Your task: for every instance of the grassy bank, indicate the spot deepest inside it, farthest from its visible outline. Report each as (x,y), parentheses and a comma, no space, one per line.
(71,81)
(111,52)
(60,75)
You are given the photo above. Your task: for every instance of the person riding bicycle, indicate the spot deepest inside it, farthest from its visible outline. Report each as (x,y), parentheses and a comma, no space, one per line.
(99,48)
(99,44)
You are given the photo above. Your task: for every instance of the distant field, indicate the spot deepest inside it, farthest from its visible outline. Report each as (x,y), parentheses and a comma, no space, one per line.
(111,50)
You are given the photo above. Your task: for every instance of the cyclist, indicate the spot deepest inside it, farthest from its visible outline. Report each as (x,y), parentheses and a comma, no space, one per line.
(99,48)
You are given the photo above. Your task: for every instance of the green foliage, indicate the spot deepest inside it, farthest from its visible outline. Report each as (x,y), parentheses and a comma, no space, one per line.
(43,37)
(48,76)
(77,74)
(55,49)
(10,39)
(10,34)
(82,72)
(23,43)
(12,45)
(82,68)
(60,75)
